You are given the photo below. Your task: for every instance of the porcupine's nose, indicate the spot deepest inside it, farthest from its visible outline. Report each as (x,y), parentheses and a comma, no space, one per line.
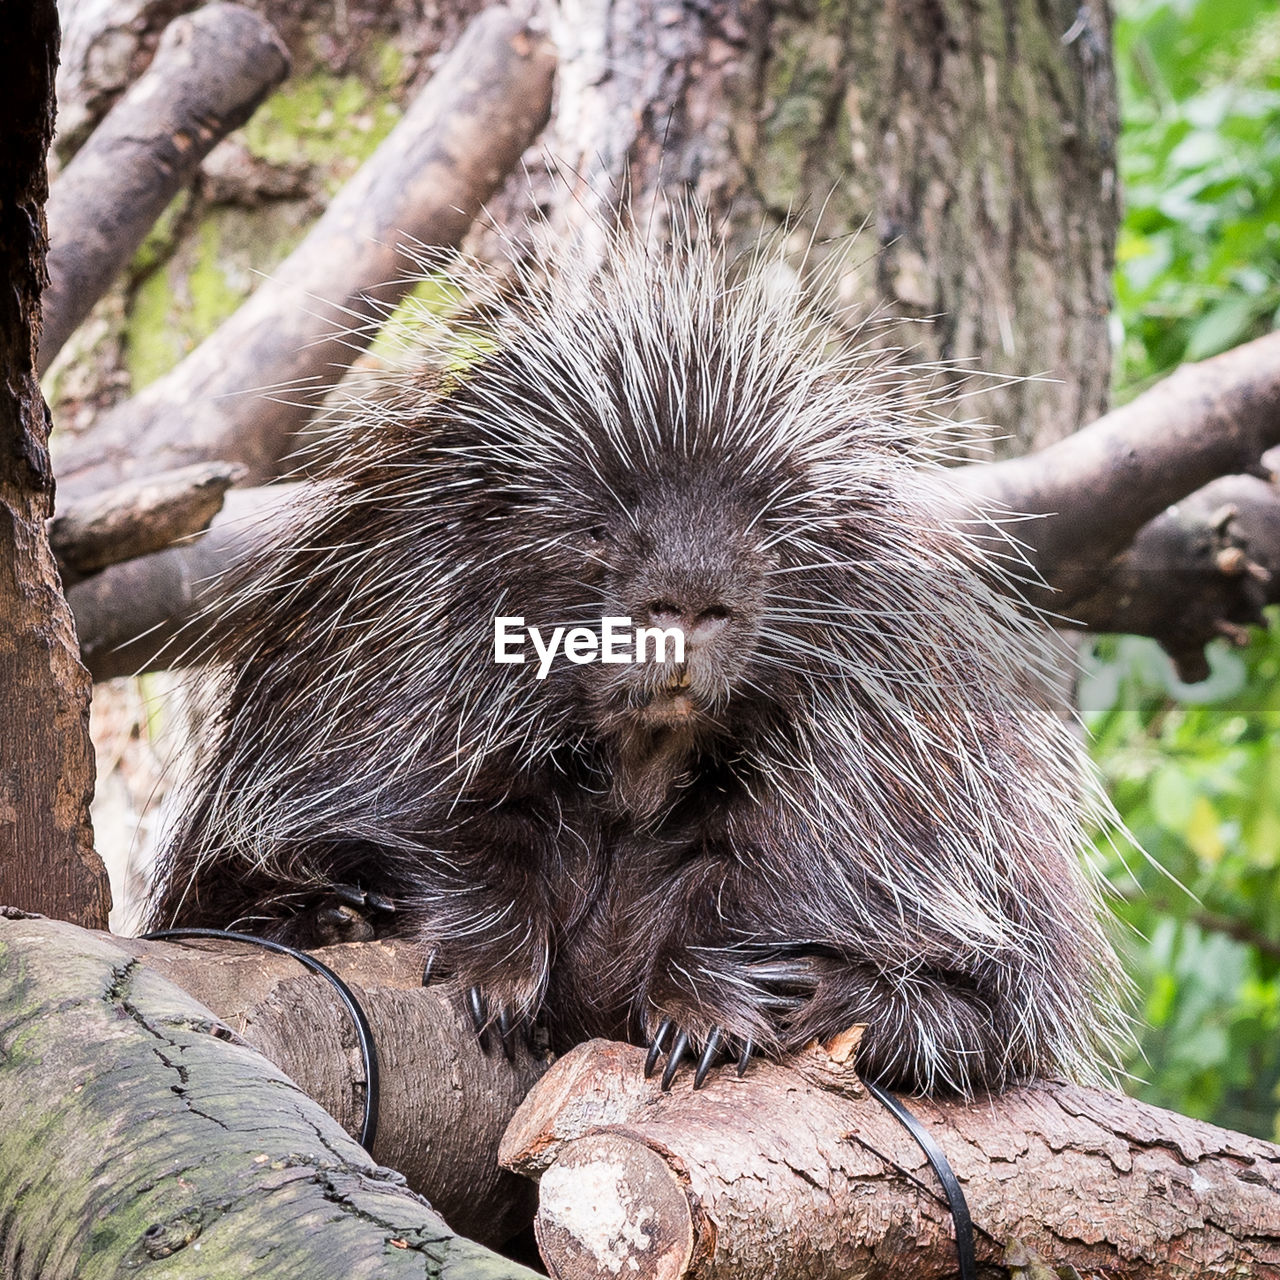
(701,622)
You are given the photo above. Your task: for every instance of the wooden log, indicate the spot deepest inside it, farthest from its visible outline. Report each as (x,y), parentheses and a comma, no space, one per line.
(210,72)
(137,518)
(139,1129)
(444,1101)
(106,45)
(426,182)
(795,1171)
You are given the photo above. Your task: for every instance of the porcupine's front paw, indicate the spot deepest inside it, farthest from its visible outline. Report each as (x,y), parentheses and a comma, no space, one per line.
(505,1004)
(929,1030)
(714,1005)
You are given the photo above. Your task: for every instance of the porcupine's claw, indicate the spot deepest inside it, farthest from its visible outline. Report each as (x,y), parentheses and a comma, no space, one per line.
(508,1023)
(748,1048)
(347,913)
(363,899)
(678,1050)
(709,1053)
(655,1047)
(505,1034)
(479,1016)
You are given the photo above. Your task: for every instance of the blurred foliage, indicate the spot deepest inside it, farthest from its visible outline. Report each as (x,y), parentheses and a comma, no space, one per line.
(1195,769)
(1199,251)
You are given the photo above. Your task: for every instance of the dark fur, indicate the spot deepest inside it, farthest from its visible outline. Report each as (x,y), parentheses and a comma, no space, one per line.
(783,859)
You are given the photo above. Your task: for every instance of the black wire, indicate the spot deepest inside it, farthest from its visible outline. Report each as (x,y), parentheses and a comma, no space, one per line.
(364,1033)
(956,1202)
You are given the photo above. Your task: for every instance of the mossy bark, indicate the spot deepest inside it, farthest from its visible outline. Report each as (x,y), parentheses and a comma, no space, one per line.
(138,1137)
(968,149)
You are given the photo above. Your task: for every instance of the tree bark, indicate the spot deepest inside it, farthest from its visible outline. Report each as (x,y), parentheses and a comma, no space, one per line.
(209,75)
(138,1133)
(967,149)
(795,1171)
(47,862)
(443,1102)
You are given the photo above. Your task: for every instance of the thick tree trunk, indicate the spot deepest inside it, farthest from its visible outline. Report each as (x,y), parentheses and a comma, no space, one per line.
(972,145)
(47,862)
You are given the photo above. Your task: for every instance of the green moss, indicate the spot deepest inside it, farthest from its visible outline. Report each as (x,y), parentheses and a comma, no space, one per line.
(214,269)
(390,66)
(332,122)
(192,277)
(152,345)
(163,236)
(162,328)
(213,297)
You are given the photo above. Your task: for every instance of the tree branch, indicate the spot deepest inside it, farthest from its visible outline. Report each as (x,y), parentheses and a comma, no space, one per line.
(427,180)
(209,75)
(1202,570)
(137,518)
(105,46)
(1100,486)
(159,610)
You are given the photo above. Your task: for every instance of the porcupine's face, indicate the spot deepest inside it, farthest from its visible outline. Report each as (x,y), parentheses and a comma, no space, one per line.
(682,556)
(663,443)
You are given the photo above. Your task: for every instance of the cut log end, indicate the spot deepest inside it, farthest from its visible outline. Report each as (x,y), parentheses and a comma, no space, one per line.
(613,1206)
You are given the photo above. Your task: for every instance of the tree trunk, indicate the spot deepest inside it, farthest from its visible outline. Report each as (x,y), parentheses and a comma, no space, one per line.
(47,862)
(973,145)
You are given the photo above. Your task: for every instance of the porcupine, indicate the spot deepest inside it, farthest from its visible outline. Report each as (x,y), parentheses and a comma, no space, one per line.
(845,806)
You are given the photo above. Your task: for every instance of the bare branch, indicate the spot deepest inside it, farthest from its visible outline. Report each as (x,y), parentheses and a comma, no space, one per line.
(209,74)
(1101,485)
(158,610)
(137,518)
(106,44)
(428,179)
(1202,570)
